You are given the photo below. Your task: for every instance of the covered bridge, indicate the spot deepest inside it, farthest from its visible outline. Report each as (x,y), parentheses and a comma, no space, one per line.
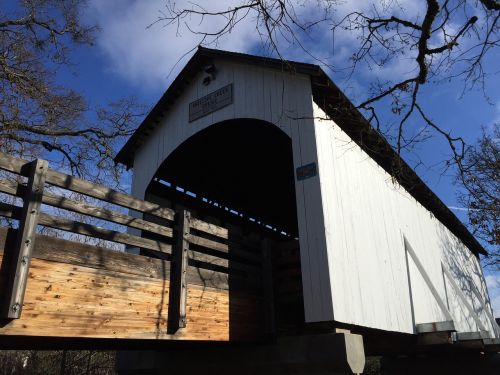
(276,148)
(264,209)
(279,144)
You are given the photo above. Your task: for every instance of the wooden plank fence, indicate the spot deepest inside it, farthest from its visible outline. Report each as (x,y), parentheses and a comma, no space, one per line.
(187,256)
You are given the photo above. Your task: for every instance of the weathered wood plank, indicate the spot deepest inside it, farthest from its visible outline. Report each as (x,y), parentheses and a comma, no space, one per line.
(178,286)
(13,188)
(109,195)
(213,245)
(70,252)
(212,229)
(10,211)
(102,233)
(77,185)
(268,290)
(208,259)
(230,249)
(12,164)
(64,300)
(22,251)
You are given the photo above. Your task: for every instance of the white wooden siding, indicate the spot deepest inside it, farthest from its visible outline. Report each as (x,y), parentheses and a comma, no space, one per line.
(352,218)
(366,216)
(284,100)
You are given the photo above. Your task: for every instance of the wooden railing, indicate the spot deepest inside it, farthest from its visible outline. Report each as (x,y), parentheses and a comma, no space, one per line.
(194,248)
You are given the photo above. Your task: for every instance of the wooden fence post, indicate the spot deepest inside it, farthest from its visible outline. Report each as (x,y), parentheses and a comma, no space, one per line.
(268,290)
(21,253)
(179,263)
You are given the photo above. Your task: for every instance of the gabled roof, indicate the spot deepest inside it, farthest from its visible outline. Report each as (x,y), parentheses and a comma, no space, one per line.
(335,104)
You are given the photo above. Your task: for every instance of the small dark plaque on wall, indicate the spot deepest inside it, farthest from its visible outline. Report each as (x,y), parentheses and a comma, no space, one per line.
(210,103)
(306,171)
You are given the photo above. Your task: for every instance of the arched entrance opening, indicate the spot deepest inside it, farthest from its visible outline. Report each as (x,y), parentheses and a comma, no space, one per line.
(240,174)
(243,167)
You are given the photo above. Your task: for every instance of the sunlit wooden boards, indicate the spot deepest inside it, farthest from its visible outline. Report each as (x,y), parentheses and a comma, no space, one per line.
(84,291)
(282,99)
(373,282)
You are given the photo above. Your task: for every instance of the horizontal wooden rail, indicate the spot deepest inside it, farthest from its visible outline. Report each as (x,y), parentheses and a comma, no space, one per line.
(81,291)
(209,259)
(14,165)
(211,247)
(221,260)
(65,251)
(15,189)
(229,249)
(101,233)
(10,211)
(211,229)
(90,189)
(85,229)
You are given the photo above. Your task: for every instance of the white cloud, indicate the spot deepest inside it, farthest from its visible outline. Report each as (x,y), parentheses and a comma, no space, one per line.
(145,55)
(493,283)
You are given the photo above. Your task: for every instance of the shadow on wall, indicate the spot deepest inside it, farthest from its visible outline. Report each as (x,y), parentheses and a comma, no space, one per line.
(470,305)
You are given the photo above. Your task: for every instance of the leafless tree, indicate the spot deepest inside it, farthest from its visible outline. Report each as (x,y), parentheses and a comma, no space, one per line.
(67,362)
(39,114)
(442,41)
(481,182)
(438,42)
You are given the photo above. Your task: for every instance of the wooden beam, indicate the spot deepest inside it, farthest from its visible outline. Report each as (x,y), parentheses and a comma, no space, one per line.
(212,229)
(15,189)
(22,252)
(102,233)
(436,333)
(109,195)
(268,291)
(471,336)
(178,284)
(446,326)
(16,165)
(471,340)
(10,211)
(229,249)
(58,250)
(12,164)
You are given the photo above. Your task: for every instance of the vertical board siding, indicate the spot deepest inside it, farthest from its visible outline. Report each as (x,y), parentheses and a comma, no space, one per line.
(351,216)
(366,216)
(284,100)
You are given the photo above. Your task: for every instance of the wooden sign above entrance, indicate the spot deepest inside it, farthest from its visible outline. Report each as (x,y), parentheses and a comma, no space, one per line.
(210,103)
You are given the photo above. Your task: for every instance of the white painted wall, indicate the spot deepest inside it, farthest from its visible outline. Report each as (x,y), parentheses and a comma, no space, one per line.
(284,100)
(366,216)
(351,217)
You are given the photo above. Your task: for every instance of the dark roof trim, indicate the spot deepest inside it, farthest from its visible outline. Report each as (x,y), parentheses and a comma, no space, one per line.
(336,105)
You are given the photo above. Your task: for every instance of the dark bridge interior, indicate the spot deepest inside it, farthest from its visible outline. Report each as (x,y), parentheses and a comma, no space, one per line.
(239,174)
(243,166)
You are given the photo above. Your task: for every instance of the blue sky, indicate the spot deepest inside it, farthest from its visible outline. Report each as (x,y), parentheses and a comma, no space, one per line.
(131,58)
